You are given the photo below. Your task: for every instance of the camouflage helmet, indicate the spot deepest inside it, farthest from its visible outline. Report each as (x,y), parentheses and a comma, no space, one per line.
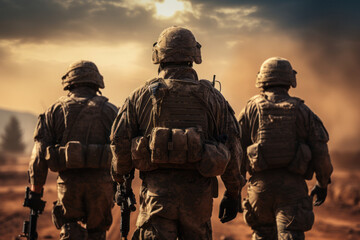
(176,44)
(276,71)
(82,72)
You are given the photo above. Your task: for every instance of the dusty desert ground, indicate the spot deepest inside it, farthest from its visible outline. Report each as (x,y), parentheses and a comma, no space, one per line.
(337,219)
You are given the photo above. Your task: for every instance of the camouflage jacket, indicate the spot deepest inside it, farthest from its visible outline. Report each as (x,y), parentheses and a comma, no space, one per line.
(51,126)
(309,129)
(135,119)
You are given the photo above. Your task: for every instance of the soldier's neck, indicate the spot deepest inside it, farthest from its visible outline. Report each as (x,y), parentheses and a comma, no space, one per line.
(276,93)
(81,92)
(178,72)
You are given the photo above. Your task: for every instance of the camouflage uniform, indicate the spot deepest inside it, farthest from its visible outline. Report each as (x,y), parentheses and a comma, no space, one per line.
(285,144)
(72,138)
(175,198)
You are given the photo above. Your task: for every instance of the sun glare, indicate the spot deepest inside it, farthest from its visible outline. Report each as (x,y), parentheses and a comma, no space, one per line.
(168,8)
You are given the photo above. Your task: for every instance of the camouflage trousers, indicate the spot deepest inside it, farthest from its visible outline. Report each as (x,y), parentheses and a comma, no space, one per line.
(83,208)
(278,206)
(175,204)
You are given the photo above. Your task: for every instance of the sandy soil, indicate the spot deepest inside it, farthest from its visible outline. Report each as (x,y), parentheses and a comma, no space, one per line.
(338,218)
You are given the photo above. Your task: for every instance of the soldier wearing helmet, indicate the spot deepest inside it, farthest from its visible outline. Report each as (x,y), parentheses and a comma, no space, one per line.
(284,144)
(72,139)
(180,133)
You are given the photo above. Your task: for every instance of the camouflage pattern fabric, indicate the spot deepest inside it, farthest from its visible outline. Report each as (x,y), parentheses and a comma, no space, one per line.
(276,71)
(180,210)
(82,72)
(167,196)
(278,206)
(79,190)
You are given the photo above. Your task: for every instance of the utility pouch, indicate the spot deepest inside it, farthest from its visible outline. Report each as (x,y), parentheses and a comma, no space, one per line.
(106,157)
(215,158)
(93,155)
(299,217)
(74,155)
(256,160)
(178,147)
(159,145)
(52,158)
(140,154)
(194,145)
(57,215)
(55,158)
(250,217)
(302,159)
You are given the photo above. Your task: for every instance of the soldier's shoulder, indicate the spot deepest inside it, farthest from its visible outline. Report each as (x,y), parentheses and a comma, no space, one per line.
(141,90)
(56,106)
(254,99)
(111,106)
(212,90)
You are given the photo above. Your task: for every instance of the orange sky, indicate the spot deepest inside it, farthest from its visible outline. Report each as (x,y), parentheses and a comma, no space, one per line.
(40,38)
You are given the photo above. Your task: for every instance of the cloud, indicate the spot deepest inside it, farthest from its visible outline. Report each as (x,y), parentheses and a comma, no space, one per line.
(53,20)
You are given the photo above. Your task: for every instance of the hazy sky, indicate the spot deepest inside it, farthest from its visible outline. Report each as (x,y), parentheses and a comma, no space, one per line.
(321,38)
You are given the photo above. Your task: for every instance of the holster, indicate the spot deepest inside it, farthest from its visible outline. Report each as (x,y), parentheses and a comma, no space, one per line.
(57,215)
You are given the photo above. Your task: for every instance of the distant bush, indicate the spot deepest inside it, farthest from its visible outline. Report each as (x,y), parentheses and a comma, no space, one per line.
(11,140)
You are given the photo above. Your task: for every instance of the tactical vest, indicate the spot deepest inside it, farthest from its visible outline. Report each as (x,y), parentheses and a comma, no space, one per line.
(179,104)
(180,133)
(85,140)
(83,120)
(277,144)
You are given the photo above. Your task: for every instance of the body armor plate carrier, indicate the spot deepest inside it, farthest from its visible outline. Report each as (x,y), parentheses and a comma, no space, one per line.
(277,145)
(85,141)
(180,136)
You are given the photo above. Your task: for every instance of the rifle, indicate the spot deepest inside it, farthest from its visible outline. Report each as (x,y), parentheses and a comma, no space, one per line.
(29,226)
(125,198)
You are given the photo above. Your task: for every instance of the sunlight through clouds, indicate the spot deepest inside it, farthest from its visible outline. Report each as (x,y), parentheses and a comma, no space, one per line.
(168,8)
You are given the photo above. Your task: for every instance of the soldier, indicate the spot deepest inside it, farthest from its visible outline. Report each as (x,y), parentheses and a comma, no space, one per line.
(72,138)
(285,144)
(180,133)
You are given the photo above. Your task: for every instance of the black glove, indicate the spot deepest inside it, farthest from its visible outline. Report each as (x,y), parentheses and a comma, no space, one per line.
(228,208)
(35,203)
(320,195)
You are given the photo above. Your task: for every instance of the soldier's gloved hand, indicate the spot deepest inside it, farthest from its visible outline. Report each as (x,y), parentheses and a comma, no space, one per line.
(228,208)
(35,202)
(320,194)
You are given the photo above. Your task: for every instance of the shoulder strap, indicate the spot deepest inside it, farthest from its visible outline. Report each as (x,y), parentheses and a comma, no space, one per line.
(97,100)
(64,104)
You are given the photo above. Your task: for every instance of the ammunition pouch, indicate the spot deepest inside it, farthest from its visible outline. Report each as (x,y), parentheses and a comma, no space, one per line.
(215,158)
(299,164)
(256,159)
(140,154)
(175,146)
(76,155)
(178,148)
(302,160)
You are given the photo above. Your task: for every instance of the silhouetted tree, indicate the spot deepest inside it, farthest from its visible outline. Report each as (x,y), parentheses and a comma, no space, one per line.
(11,140)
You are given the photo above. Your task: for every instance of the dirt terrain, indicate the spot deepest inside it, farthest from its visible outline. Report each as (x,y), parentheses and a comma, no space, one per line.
(337,219)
